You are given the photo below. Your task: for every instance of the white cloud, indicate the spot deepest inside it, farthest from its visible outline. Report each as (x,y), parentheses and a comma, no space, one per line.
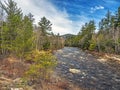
(60,19)
(93,9)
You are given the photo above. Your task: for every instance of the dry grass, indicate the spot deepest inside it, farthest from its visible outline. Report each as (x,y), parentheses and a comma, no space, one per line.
(12,68)
(112,60)
(59,85)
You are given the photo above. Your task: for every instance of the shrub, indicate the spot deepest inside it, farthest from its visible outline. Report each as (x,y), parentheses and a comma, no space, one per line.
(42,65)
(92,46)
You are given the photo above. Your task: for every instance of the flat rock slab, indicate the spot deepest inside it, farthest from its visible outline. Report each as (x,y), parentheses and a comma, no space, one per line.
(85,70)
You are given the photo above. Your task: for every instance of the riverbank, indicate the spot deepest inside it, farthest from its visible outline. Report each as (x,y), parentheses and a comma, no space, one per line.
(112,60)
(12,71)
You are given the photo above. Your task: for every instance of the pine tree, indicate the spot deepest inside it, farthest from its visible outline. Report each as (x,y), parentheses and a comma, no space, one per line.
(45,26)
(13,20)
(86,34)
(24,38)
(44,31)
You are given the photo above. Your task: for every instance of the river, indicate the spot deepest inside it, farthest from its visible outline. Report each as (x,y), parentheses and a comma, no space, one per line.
(85,70)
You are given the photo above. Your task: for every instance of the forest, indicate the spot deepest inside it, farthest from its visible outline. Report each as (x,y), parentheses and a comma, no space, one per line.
(105,39)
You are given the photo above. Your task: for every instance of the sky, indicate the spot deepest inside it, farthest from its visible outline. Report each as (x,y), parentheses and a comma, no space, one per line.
(68,16)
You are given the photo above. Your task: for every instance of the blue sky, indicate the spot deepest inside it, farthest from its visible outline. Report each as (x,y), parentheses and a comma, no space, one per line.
(91,9)
(67,16)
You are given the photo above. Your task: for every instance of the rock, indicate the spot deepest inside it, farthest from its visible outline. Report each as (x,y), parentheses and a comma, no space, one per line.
(81,57)
(82,77)
(94,78)
(84,74)
(102,60)
(16,89)
(74,71)
(117,80)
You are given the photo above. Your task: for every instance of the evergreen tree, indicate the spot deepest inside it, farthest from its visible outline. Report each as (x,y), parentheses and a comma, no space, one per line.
(24,39)
(13,20)
(45,30)
(86,34)
(45,26)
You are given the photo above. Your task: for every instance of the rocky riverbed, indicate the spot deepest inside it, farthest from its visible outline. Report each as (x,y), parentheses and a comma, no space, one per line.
(85,70)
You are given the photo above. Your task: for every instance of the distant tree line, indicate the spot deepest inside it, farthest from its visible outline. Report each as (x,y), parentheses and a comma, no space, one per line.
(107,39)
